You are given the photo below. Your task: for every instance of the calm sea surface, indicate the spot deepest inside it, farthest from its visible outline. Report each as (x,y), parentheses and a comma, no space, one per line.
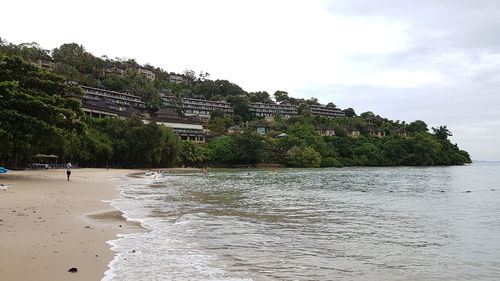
(397,223)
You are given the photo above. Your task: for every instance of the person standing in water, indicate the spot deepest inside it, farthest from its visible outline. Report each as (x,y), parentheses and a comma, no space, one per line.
(68,170)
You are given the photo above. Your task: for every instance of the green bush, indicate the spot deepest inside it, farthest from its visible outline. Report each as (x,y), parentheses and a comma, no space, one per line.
(330,162)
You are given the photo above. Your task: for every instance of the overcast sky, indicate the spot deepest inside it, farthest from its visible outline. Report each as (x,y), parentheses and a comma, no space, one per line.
(431,60)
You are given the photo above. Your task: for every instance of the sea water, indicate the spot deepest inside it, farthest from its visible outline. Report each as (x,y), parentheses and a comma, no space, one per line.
(390,223)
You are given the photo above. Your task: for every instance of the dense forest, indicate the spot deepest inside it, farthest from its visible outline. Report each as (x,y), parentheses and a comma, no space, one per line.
(37,115)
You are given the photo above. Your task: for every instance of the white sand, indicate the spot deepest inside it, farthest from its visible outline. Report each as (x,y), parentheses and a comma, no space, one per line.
(49,225)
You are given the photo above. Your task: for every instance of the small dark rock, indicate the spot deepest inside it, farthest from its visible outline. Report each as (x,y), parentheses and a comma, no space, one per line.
(120,225)
(87,226)
(442,190)
(133,251)
(73,270)
(96,256)
(468,191)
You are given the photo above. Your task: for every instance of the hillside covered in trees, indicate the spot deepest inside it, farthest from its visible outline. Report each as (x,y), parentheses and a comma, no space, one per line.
(37,115)
(74,63)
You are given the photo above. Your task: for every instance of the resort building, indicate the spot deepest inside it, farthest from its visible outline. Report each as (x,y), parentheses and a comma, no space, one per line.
(324,130)
(106,108)
(198,107)
(271,111)
(235,129)
(146,72)
(175,78)
(187,128)
(261,127)
(372,131)
(352,132)
(190,128)
(45,64)
(123,99)
(114,70)
(101,103)
(329,110)
(401,133)
(108,71)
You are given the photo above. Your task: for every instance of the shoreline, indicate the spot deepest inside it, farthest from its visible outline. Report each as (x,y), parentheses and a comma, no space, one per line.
(49,225)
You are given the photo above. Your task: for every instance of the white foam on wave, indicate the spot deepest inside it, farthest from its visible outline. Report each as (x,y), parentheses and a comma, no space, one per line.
(163,253)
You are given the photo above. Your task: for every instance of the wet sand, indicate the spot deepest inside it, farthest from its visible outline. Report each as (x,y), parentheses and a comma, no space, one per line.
(49,225)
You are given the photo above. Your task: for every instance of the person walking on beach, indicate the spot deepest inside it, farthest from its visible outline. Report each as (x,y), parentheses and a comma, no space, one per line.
(68,170)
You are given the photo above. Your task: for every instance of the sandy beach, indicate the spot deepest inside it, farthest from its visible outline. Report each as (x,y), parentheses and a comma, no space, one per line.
(49,225)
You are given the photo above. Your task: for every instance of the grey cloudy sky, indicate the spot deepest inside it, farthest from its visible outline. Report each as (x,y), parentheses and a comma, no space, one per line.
(433,60)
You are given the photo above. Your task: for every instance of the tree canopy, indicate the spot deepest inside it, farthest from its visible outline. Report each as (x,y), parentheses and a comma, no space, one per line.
(36,112)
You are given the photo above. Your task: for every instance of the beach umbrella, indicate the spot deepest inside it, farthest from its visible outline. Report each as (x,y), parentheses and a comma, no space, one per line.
(46,156)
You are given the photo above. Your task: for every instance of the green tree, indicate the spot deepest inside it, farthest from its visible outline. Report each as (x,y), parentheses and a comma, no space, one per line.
(442,132)
(263,97)
(342,145)
(417,126)
(219,125)
(207,89)
(272,152)
(241,108)
(229,89)
(28,51)
(424,150)
(330,162)
(143,87)
(71,73)
(222,150)
(367,115)
(99,148)
(250,147)
(308,135)
(75,55)
(304,110)
(304,157)
(339,131)
(395,150)
(171,147)
(368,154)
(192,154)
(115,83)
(36,111)
(281,97)
(349,112)
(190,76)
(135,144)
